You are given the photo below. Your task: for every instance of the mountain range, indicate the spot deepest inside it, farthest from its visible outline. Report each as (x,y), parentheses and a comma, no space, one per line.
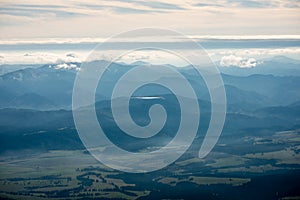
(49,87)
(36,106)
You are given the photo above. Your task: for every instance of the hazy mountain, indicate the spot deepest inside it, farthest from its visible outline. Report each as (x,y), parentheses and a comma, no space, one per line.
(281,90)
(277,66)
(283,59)
(31,101)
(53,85)
(259,102)
(49,82)
(23,128)
(6,68)
(244,101)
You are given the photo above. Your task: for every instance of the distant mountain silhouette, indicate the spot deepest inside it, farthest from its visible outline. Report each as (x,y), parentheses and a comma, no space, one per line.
(53,86)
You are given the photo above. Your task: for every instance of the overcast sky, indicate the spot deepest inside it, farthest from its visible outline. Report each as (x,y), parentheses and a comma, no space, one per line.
(73,18)
(55,31)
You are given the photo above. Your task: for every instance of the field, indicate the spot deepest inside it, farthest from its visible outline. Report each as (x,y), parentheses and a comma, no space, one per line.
(75,174)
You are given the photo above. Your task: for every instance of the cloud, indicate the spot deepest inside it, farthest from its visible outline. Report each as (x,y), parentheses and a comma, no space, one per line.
(66,66)
(258,52)
(125,10)
(208,5)
(227,57)
(250,4)
(245,37)
(41,58)
(103,18)
(79,9)
(160,5)
(47,11)
(232,60)
(199,38)
(152,56)
(254,4)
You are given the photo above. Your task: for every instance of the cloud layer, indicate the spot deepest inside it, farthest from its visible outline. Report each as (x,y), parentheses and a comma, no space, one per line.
(41,58)
(224,57)
(75,18)
(200,38)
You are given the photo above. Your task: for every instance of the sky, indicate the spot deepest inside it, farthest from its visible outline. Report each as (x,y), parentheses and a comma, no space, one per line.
(40,31)
(73,18)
